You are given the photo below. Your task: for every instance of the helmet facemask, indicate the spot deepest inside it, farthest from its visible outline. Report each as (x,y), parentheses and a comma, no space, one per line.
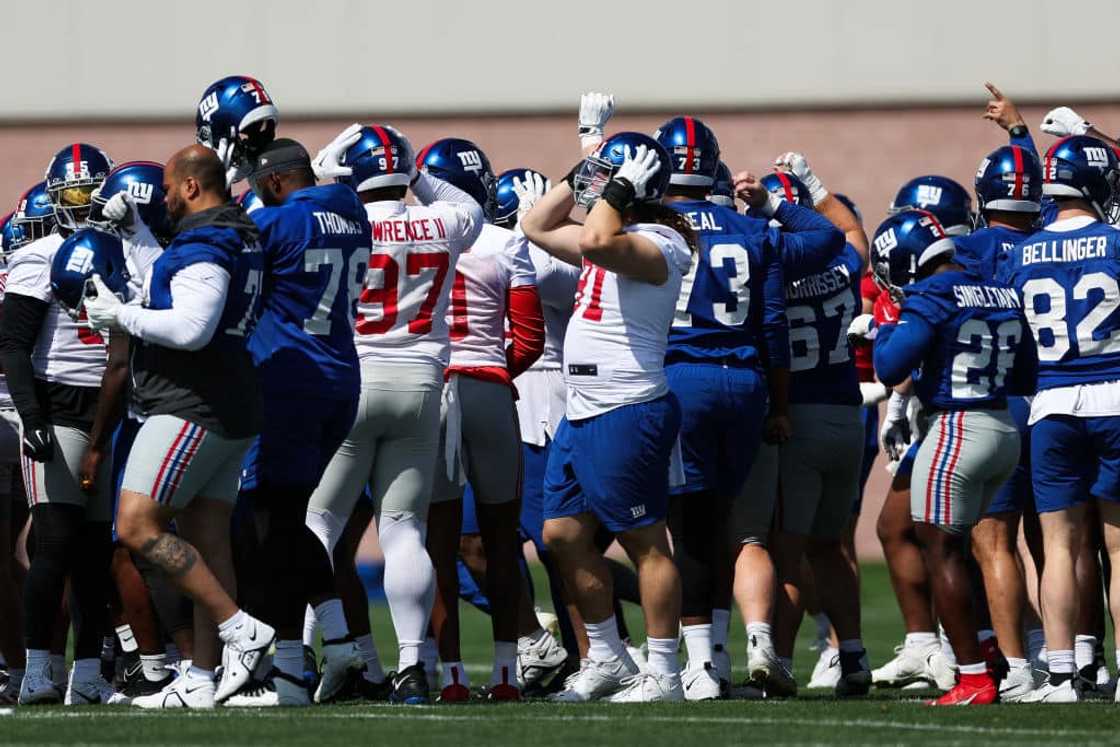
(591,179)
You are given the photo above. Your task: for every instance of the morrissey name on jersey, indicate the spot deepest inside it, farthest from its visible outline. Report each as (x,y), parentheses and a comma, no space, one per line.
(820,284)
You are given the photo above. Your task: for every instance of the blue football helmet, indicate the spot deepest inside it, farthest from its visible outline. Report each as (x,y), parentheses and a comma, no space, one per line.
(249,200)
(1085,168)
(72,176)
(238,109)
(598,168)
(850,204)
(1009,178)
(143,181)
(505,199)
(940,195)
(380,158)
(788,187)
(723,188)
(84,253)
(903,244)
(34,215)
(693,149)
(463,164)
(10,236)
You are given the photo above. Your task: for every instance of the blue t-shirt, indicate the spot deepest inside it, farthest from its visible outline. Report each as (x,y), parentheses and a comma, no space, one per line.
(316,250)
(1068,281)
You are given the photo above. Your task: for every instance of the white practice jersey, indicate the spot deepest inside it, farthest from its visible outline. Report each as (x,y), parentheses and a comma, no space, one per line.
(614,351)
(67,351)
(556,283)
(498,261)
(402,310)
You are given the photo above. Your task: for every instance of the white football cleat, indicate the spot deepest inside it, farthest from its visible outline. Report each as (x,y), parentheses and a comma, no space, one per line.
(596,680)
(548,621)
(9,693)
(92,692)
(38,688)
(701,683)
(650,687)
(539,661)
(277,690)
(826,672)
(766,672)
(1049,693)
(243,655)
(1017,684)
(940,671)
(183,691)
(340,657)
(907,667)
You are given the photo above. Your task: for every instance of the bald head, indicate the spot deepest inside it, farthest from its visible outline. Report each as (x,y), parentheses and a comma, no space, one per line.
(194,180)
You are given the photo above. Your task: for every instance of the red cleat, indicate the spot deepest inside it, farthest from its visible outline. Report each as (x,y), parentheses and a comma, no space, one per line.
(504,692)
(455,693)
(973,689)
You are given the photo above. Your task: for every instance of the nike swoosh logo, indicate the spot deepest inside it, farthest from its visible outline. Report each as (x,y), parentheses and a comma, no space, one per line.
(253,637)
(190,690)
(968,700)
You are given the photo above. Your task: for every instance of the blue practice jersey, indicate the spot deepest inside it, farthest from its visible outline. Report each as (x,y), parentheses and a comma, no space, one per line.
(316,247)
(1071,296)
(982,250)
(963,338)
(820,305)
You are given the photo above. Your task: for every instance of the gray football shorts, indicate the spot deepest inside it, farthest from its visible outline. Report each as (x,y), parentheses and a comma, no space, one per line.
(57,481)
(752,512)
(819,472)
(965,458)
(489,442)
(174,460)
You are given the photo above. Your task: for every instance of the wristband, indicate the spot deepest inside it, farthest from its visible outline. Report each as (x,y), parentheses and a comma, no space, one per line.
(618,193)
(570,178)
(1018,131)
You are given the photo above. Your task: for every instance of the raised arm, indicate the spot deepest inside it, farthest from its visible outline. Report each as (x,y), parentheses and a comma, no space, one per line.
(825,203)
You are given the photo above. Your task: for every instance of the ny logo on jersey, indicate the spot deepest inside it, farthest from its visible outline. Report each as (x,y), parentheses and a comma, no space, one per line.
(81,260)
(77,170)
(471,160)
(929,194)
(637,512)
(141,192)
(1097,156)
(208,106)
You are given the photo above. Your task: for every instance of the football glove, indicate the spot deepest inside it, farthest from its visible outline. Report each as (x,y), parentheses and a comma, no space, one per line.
(102,309)
(796,164)
(862,328)
(529,191)
(235,171)
(326,163)
(594,111)
(121,210)
(1064,121)
(38,443)
(894,434)
(638,168)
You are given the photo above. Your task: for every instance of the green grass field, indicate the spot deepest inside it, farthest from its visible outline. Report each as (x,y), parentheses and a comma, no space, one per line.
(885,717)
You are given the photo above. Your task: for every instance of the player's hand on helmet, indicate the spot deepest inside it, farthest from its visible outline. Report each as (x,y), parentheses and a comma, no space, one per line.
(121,211)
(1064,121)
(528,191)
(751,191)
(894,433)
(1002,110)
(103,309)
(326,163)
(796,164)
(638,168)
(38,443)
(777,429)
(862,329)
(236,170)
(595,110)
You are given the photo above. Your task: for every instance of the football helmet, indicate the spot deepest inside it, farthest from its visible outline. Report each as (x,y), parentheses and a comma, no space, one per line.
(600,166)
(693,150)
(505,199)
(723,188)
(1082,167)
(1009,178)
(463,164)
(380,158)
(903,244)
(72,176)
(84,253)
(788,187)
(10,236)
(143,181)
(34,216)
(940,195)
(237,108)
(249,200)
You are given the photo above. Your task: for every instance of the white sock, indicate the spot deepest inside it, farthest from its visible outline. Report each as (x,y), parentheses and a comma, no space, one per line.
(920,640)
(978,668)
(1044,655)
(410,582)
(505,663)
(58,668)
(86,669)
(663,657)
(127,639)
(721,626)
(1014,663)
(154,666)
(454,674)
(228,629)
(374,672)
(289,658)
(310,626)
(332,620)
(39,659)
(1083,649)
(1060,661)
(1117,660)
(698,643)
(758,635)
(824,625)
(604,641)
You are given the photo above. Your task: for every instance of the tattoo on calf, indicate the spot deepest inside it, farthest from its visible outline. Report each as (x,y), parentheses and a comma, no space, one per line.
(170,554)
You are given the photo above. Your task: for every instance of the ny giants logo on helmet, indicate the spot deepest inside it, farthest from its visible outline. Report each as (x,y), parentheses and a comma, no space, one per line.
(208,106)
(141,192)
(886,241)
(1097,157)
(81,260)
(470,160)
(929,194)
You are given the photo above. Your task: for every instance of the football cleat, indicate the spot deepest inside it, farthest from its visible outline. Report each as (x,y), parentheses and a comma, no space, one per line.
(310,668)
(456,692)
(766,672)
(649,687)
(977,689)
(359,687)
(701,683)
(276,690)
(38,688)
(638,654)
(9,692)
(1018,683)
(939,671)
(141,685)
(1048,692)
(96,691)
(855,675)
(340,657)
(596,680)
(539,661)
(126,668)
(410,686)
(826,672)
(907,667)
(243,655)
(183,691)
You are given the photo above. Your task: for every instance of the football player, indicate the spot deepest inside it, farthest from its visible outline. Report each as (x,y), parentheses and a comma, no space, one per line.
(940,195)
(236,118)
(54,365)
(967,337)
(403,342)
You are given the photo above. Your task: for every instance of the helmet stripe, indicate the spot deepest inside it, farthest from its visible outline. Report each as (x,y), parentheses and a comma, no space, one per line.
(76,159)
(262,96)
(787,187)
(384,138)
(935,224)
(690,142)
(1017,153)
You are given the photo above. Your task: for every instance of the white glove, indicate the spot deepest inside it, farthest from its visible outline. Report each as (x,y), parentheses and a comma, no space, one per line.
(102,310)
(873,392)
(529,191)
(894,433)
(1064,121)
(235,172)
(326,164)
(862,328)
(121,211)
(594,111)
(638,168)
(796,164)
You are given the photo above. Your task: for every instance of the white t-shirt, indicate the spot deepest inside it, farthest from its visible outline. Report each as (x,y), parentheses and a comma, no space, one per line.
(67,351)
(476,316)
(614,351)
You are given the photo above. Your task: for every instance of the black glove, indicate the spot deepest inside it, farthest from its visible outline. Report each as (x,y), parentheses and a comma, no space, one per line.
(38,443)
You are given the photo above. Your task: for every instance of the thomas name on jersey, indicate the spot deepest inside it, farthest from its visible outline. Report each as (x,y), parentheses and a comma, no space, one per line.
(1067,250)
(336,224)
(420,229)
(818,284)
(986,297)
